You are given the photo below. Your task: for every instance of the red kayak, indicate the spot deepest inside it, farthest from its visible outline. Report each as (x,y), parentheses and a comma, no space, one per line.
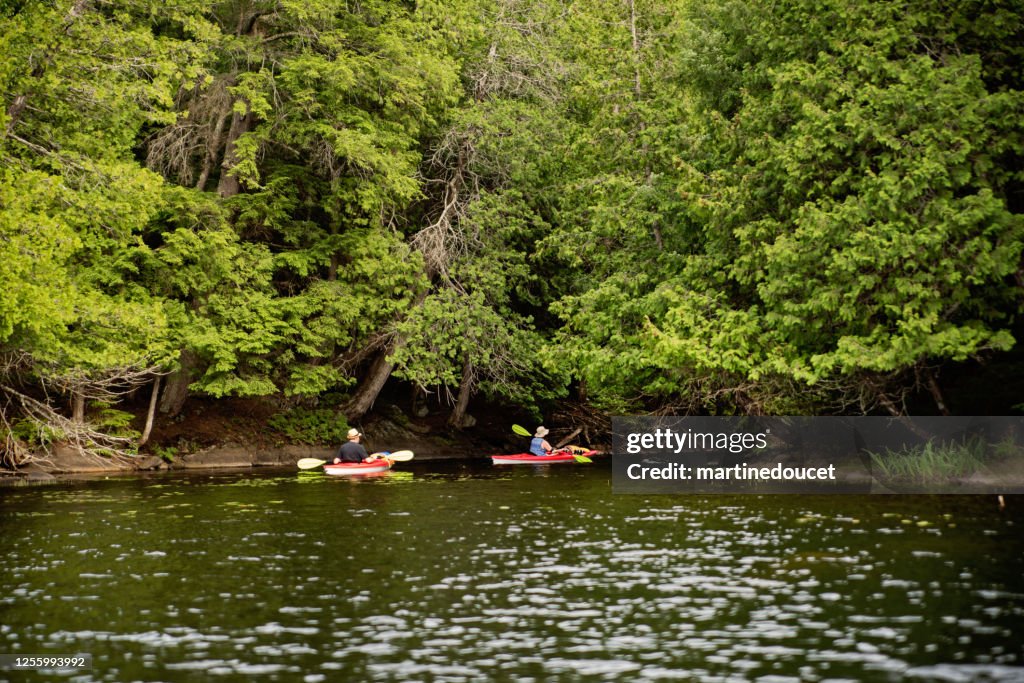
(350,468)
(530,459)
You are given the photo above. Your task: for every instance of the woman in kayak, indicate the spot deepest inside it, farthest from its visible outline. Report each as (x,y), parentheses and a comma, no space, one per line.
(539,446)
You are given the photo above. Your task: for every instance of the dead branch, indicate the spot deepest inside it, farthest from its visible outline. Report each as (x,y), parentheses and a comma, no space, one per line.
(448,237)
(566,440)
(197,136)
(92,444)
(582,417)
(13,452)
(520,62)
(108,385)
(348,362)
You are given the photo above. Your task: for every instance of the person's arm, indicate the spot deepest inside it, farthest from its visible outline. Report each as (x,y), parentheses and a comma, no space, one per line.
(546,446)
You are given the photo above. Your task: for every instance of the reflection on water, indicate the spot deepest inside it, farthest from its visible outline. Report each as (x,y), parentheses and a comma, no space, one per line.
(459,573)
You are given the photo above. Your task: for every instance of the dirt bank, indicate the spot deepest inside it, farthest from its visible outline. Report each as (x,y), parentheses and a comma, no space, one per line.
(236,434)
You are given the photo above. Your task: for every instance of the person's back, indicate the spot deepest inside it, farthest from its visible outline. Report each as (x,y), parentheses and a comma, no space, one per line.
(539,446)
(351,451)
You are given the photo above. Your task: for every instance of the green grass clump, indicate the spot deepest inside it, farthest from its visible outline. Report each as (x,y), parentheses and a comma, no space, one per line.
(167,454)
(933,462)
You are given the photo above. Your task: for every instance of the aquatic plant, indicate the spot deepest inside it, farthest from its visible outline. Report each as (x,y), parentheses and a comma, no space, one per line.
(937,461)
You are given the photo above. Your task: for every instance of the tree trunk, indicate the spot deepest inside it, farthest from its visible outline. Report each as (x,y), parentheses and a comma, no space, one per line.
(569,438)
(213,151)
(933,387)
(14,112)
(176,391)
(458,415)
(370,388)
(332,270)
(636,48)
(78,407)
(378,376)
(419,407)
(229,185)
(149,414)
(902,418)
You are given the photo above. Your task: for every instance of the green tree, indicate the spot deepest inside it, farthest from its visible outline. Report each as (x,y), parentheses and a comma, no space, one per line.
(623,227)
(854,196)
(80,83)
(491,179)
(311,127)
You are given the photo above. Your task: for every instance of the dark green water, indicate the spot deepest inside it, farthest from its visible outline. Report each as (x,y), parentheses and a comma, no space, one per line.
(446,572)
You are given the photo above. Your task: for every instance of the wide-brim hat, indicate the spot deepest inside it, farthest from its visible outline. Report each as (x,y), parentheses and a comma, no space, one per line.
(541,432)
(353,433)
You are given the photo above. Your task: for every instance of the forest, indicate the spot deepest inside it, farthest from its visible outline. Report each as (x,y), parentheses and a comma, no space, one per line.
(637,206)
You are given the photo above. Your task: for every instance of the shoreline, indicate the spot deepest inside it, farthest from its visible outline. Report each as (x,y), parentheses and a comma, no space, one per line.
(237,439)
(227,457)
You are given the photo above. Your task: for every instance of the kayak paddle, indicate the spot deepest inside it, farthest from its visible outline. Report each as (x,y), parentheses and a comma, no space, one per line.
(576,456)
(521,431)
(400,456)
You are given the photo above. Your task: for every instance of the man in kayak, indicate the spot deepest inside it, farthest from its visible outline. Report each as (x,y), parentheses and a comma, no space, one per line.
(539,446)
(352,450)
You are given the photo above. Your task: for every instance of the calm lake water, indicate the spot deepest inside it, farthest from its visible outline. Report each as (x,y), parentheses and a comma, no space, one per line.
(456,572)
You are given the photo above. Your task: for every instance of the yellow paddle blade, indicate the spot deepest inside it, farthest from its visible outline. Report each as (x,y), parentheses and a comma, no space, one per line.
(401,456)
(521,431)
(397,456)
(309,463)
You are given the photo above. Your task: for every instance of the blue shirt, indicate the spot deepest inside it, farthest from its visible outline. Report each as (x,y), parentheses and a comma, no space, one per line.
(535,446)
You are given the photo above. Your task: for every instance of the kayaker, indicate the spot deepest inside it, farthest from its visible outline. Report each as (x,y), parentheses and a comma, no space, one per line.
(352,450)
(539,446)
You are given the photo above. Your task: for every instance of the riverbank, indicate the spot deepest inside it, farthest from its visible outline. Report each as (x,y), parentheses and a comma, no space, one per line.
(238,434)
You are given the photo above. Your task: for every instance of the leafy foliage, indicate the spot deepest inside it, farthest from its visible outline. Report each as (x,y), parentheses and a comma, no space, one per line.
(319,426)
(725,206)
(846,213)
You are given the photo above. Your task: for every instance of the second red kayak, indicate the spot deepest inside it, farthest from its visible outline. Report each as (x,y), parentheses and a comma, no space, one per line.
(530,459)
